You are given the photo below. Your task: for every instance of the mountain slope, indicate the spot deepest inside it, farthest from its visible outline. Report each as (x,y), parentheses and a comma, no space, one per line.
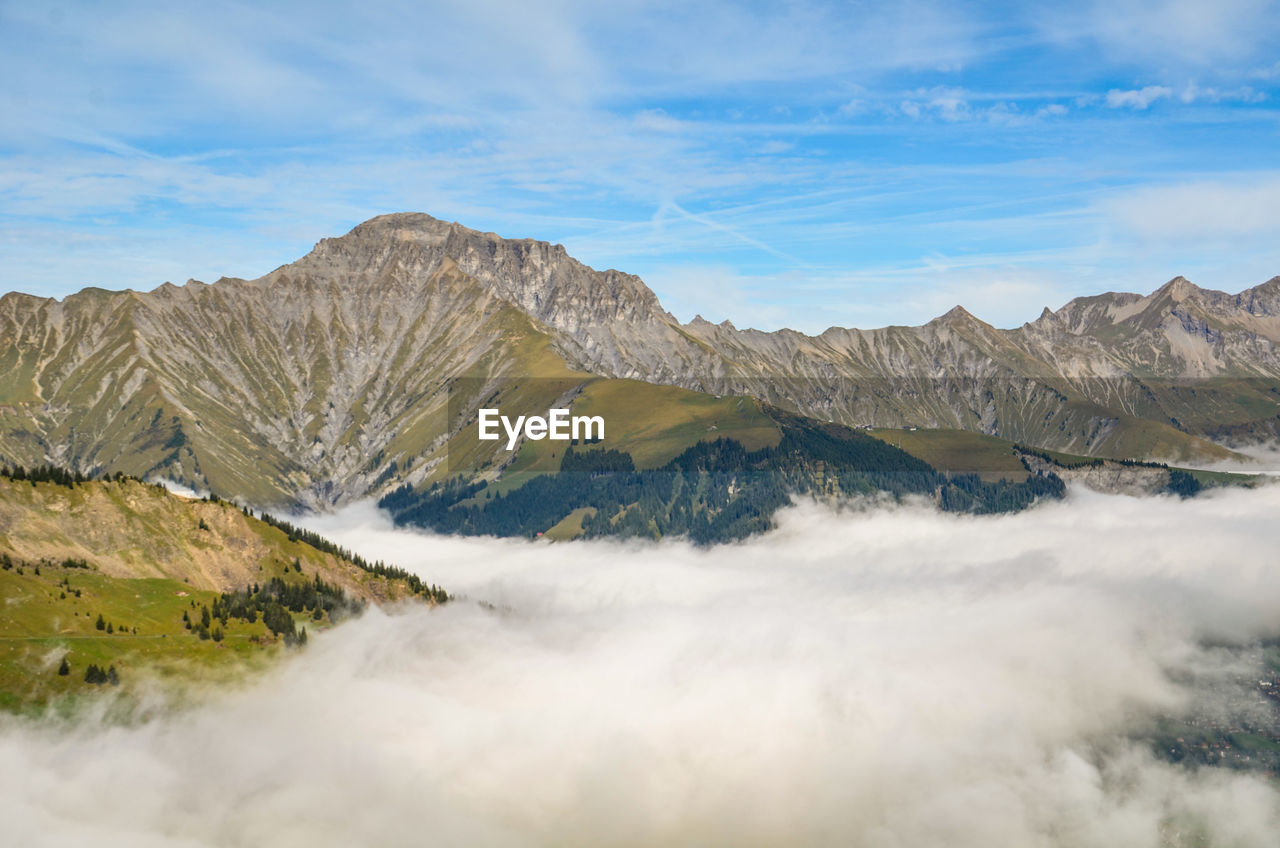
(158,589)
(132,530)
(353,369)
(712,492)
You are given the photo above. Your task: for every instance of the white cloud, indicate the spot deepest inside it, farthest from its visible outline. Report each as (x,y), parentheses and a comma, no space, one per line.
(851,108)
(951,104)
(776,147)
(1137,98)
(946,102)
(880,677)
(1191,93)
(1226,36)
(1244,94)
(1200,211)
(1261,459)
(656,120)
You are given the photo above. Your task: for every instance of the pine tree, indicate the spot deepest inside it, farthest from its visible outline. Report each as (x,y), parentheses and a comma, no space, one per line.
(112,677)
(65,668)
(101,623)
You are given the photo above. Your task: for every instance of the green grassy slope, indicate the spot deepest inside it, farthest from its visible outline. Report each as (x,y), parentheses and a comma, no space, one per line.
(958,451)
(140,558)
(48,620)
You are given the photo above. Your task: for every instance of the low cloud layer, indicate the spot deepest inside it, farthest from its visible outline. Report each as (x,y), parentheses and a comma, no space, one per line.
(879,677)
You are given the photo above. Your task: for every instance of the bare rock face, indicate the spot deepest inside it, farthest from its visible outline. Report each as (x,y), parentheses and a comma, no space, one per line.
(608,319)
(328,379)
(1109,478)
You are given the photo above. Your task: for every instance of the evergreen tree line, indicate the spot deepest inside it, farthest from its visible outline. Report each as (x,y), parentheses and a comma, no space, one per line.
(380,568)
(1088,461)
(713,492)
(45,474)
(48,473)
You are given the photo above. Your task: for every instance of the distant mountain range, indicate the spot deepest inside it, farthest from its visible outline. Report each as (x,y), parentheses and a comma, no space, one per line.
(350,371)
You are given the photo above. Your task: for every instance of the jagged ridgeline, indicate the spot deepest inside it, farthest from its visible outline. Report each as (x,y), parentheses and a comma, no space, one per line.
(115,584)
(331,379)
(716,490)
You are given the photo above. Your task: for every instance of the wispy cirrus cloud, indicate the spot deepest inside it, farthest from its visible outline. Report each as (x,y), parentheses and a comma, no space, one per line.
(807,142)
(1137,98)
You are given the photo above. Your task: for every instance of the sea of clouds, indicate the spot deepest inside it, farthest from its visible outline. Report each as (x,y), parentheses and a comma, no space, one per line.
(875,676)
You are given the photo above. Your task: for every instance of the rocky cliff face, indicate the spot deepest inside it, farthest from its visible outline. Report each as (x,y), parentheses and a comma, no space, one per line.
(330,377)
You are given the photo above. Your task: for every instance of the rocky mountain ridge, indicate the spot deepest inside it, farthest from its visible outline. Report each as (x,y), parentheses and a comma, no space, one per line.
(330,378)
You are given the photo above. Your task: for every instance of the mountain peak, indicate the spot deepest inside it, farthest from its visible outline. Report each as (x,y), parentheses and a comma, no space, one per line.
(407,250)
(956,315)
(401,221)
(1178,289)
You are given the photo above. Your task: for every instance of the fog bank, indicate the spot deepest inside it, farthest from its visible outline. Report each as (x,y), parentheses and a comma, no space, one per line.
(884,676)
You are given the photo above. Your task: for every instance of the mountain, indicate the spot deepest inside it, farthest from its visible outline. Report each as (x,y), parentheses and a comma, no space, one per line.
(711,492)
(355,369)
(120,575)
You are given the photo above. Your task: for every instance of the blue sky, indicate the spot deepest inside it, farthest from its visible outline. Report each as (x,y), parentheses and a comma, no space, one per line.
(797,165)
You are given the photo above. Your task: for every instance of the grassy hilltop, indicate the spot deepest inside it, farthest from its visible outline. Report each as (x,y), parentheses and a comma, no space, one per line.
(157,589)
